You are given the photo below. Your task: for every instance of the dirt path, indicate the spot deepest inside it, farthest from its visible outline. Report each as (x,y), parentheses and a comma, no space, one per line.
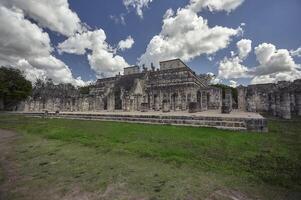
(8,168)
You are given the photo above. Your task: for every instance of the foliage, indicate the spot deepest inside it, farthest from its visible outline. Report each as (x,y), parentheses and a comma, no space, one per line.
(85,89)
(13,87)
(233,90)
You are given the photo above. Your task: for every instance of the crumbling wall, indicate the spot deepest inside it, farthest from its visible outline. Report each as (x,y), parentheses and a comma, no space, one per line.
(281,99)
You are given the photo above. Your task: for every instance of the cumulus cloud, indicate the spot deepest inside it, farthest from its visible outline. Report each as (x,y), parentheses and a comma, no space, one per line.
(232,68)
(272,60)
(215,5)
(296,52)
(126,44)
(244,47)
(274,65)
(186,35)
(102,58)
(55,15)
(233,83)
(26,46)
(138,5)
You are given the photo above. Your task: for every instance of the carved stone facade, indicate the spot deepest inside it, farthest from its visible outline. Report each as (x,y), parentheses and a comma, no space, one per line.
(282,99)
(171,88)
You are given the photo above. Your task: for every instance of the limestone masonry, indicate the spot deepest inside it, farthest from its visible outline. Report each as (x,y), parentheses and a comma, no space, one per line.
(173,87)
(282,99)
(173,90)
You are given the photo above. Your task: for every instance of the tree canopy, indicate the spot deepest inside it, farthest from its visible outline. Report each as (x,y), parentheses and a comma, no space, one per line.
(13,87)
(223,87)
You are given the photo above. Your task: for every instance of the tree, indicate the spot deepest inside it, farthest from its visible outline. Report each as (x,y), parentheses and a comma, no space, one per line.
(13,88)
(223,87)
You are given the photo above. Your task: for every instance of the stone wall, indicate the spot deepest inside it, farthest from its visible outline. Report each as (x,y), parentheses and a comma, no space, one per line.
(282,99)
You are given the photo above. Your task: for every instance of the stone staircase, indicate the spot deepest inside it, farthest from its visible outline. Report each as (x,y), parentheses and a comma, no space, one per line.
(229,123)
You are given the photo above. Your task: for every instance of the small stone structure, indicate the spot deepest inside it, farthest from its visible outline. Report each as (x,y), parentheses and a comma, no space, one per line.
(282,99)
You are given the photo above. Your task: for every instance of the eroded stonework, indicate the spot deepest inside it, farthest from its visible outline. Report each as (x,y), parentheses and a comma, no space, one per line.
(282,99)
(173,87)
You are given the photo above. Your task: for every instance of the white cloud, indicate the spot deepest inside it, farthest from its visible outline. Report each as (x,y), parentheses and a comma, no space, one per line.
(138,5)
(55,14)
(272,60)
(19,37)
(118,19)
(27,47)
(103,58)
(186,35)
(214,79)
(244,47)
(215,5)
(275,77)
(296,52)
(126,44)
(232,68)
(274,65)
(233,83)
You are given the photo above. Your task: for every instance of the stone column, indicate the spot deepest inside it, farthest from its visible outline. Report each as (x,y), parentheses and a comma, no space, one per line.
(277,103)
(204,101)
(298,103)
(273,105)
(227,102)
(286,106)
(241,90)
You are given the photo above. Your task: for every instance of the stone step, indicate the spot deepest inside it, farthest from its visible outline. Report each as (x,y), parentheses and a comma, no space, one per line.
(231,123)
(208,123)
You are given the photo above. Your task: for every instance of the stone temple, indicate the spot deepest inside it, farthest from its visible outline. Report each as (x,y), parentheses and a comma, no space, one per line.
(170,94)
(172,87)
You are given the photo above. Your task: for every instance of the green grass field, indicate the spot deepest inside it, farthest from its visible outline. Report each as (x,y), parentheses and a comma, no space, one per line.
(154,161)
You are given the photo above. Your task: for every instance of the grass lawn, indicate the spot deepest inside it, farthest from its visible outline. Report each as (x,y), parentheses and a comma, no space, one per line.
(135,161)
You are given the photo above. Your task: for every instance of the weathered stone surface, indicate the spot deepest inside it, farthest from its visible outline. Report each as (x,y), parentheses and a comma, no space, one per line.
(282,99)
(171,88)
(227,102)
(193,107)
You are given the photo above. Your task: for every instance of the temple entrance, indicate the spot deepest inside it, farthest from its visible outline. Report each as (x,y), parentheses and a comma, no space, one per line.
(199,99)
(105,103)
(156,103)
(174,101)
(118,101)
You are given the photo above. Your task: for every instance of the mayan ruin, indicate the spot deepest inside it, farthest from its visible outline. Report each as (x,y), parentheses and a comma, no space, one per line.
(170,88)
(150,100)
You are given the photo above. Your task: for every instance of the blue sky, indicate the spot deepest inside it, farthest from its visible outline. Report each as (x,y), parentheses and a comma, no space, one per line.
(275,22)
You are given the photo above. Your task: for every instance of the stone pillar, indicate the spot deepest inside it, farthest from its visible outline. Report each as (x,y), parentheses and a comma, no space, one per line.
(285,106)
(298,103)
(273,105)
(111,102)
(227,102)
(204,101)
(278,108)
(165,106)
(241,90)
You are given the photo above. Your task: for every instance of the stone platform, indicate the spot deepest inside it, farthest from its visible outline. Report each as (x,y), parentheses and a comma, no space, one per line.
(236,120)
